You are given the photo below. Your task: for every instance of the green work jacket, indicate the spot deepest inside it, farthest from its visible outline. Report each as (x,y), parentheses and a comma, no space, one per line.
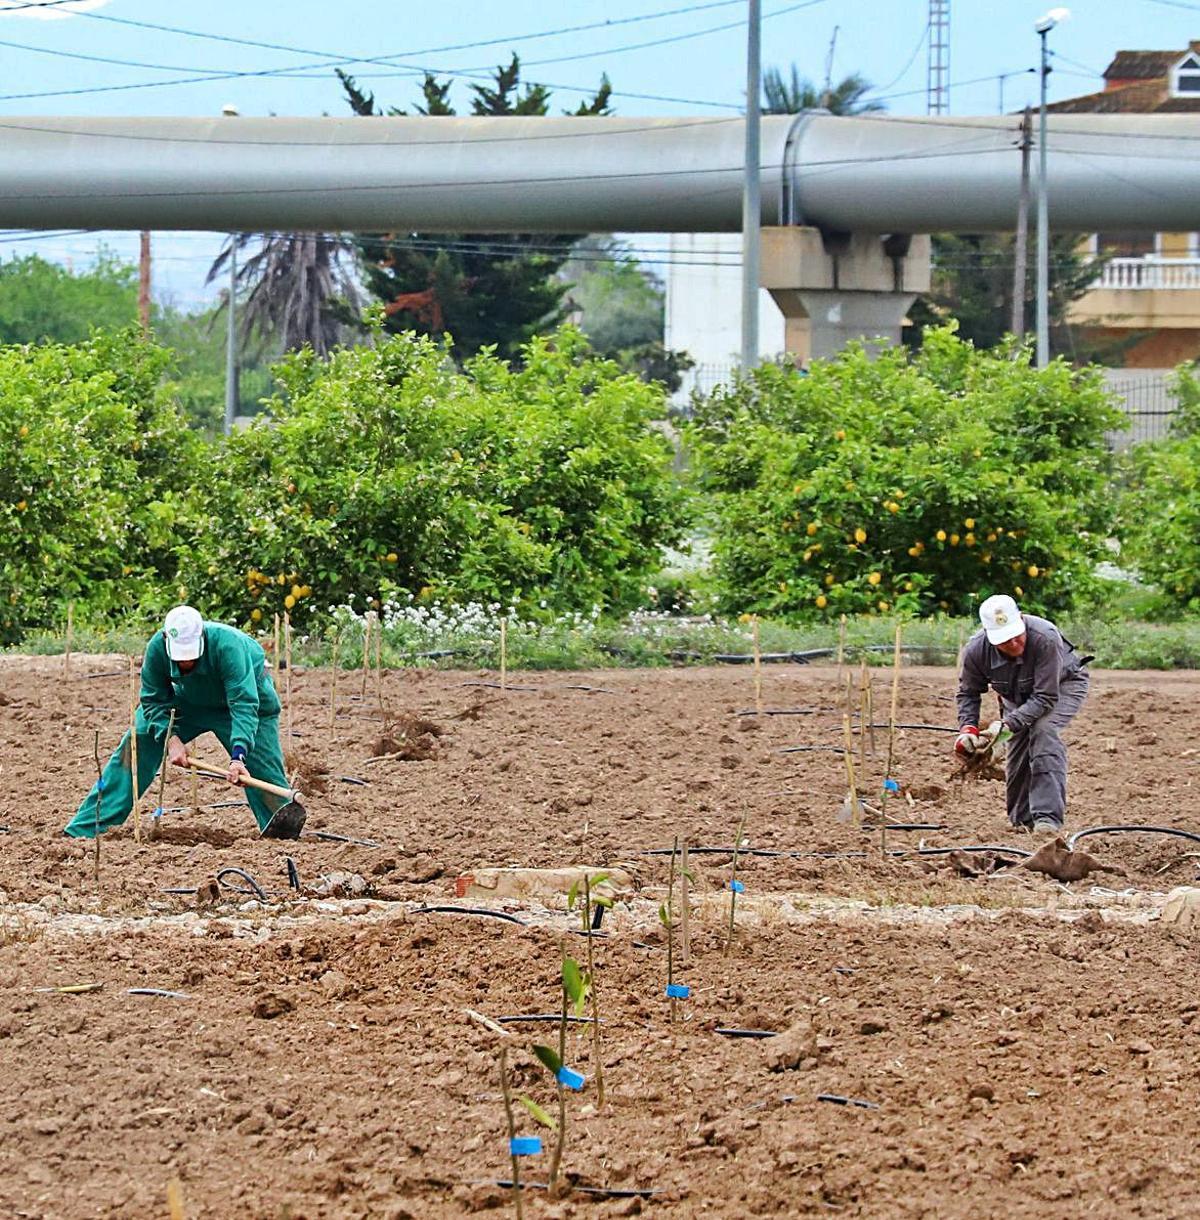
(230,677)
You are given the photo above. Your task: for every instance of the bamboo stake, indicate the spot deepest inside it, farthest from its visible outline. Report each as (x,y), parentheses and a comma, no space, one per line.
(276,654)
(871,708)
(849,757)
(366,657)
(195,793)
(891,755)
(379,665)
(175,1199)
(685,894)
(503,651)
(134,700)
(287,649)
(670,921)
(67,642)
(758,704)
(506,1091)
(863,719)
(333,683)
(162,774)
(841,652)
(737,846)
(99,794)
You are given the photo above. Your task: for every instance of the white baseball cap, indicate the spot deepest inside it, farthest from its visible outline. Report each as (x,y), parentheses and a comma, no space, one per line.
(1001,619)
(184,633)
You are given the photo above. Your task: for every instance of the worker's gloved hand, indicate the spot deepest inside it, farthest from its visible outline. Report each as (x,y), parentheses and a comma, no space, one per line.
(993,735)
(237,771)
(967,741)
(176,752)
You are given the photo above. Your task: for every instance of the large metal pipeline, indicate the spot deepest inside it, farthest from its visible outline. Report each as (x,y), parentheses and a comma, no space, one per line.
(576,175)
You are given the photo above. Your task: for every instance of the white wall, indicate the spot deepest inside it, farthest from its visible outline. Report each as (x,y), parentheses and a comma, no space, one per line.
(704,306)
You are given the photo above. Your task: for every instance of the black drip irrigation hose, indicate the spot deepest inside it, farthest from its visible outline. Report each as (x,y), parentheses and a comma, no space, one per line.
(1148,830)
(746,1033)
(453,910)
(255,889)
(535,1017)
(328,836)
(597,1192)
(844,855)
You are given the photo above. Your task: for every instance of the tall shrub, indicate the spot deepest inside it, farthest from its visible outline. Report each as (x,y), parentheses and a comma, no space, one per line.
(890,482)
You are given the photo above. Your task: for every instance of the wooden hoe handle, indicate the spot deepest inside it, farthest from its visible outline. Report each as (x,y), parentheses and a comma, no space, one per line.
(204,768)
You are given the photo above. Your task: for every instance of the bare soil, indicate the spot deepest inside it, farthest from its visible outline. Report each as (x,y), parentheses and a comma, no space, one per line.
(1028,1048)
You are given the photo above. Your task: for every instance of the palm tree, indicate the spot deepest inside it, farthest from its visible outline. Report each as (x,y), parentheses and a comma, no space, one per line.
(298,287)
(790,97)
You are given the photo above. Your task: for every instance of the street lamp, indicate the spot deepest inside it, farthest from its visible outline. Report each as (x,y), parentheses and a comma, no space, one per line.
(1043,26)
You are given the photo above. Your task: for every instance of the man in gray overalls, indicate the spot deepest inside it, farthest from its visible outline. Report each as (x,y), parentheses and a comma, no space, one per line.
(1042,683)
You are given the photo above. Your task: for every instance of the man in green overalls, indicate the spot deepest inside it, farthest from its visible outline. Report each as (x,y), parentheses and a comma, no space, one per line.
(214,678)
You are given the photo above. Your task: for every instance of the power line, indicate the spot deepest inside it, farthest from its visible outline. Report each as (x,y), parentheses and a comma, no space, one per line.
(908,63)
(389,61)
(16,8)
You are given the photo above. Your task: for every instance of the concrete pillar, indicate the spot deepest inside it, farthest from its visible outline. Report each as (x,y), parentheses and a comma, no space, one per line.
(832,288)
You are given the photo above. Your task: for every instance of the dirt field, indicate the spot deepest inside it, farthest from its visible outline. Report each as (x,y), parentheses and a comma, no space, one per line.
(1029,1048)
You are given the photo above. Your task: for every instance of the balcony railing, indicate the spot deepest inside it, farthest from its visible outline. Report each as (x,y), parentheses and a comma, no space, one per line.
(1150,272)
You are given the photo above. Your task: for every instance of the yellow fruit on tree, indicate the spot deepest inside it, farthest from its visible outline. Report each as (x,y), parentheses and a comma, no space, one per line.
(1019,591)
(305,590)
(822,601)
(954,540)
(829,578)
(884,607)
(1032,569)
(991,537)
(969,523)
(914,551)
(255,616)
(24,429)
(860,534)
(874,578)
(289,601)
(840,434)
(969,540)
(296,591)
(811,528)
(940,535)
(909,586)
(392,557)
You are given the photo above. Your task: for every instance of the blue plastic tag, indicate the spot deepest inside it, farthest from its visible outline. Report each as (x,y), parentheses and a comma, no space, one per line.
(525,1145)
(678,991)
(99,785)
(737,887)
(156,812)
(890,785)
(570,1078)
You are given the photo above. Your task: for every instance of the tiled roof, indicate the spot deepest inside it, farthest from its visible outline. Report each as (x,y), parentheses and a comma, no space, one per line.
(1146,97)
(1141,65)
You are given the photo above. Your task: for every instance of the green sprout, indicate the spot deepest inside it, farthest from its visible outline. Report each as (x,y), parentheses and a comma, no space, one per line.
(573,996)
(591,901)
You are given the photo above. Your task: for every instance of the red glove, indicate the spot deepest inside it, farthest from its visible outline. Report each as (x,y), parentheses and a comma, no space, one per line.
(967,741)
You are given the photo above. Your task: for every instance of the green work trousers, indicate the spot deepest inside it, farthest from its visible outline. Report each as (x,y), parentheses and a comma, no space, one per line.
(264,761)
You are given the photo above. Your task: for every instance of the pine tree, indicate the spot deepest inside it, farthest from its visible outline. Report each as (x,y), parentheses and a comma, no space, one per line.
(480,288)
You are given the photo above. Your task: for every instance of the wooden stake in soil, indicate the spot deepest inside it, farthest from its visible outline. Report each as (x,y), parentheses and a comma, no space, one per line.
(99,794)
(162,775)
(379,666)
(891,754)
(848,754)
(841,652)
(175,1199)
(278,658)
(733,884)
(366,657)
(333,682)
(287,650)
(864,719)
(67,641)
(134,700)
(685,894)
(593,993)
(667,915)
(758,704)
(503,651)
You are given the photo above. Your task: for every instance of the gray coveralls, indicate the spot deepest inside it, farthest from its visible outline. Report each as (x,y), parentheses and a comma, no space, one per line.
(1040,694)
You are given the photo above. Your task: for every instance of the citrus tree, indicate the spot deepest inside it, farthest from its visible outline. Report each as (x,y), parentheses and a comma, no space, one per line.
(385,469)
(93,462)
(885,482)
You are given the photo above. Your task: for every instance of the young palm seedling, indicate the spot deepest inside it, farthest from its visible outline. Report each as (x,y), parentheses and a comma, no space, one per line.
(735,886)
(666,915)
(574,997)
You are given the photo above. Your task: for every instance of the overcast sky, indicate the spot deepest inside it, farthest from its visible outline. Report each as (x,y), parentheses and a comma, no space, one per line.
(662,58)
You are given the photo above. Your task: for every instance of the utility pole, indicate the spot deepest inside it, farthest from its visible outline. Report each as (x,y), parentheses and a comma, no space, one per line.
(1021,251)
(144,282)
(752,190)
(231,363)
